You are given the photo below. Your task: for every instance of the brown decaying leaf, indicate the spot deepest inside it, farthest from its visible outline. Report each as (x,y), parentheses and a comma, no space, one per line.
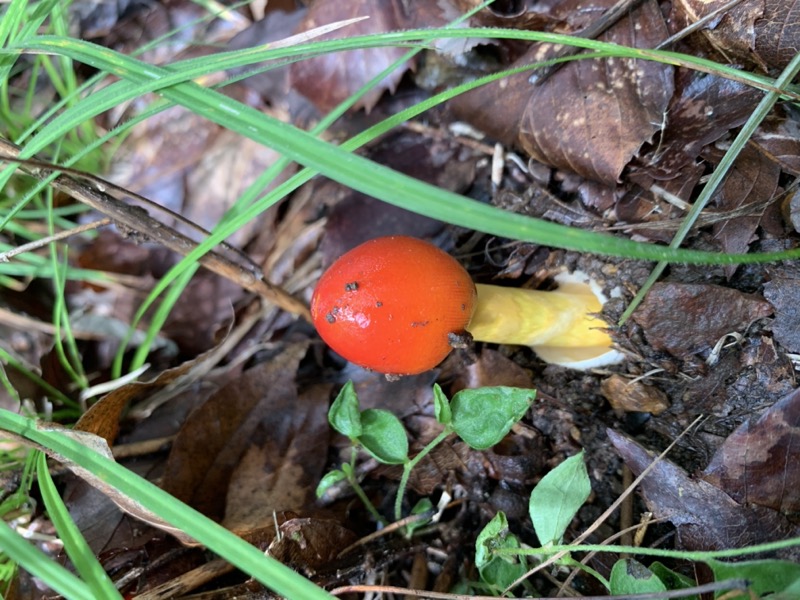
(777,33)
(310,544)
(756,33)
(706,517)
(784,295)
(329,79)
(262,415)
(592,116)
(732,34)
(759,463)
(779,137)
(753,180)
(686,318)
(104,416)
(704,109)
(633,396)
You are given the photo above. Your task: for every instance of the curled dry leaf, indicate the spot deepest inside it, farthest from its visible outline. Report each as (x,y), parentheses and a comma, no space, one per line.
(633,396)
(329,79)
(592,116)
(759,463)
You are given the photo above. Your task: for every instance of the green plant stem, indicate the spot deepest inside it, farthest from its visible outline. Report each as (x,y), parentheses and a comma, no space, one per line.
(350,472)
(407,467)
(759,114)
(695,556)
(571,562)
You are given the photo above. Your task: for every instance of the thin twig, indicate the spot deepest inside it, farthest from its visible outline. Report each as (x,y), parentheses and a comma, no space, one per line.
(700,23)
(138,220)
(609,511)
(61,235)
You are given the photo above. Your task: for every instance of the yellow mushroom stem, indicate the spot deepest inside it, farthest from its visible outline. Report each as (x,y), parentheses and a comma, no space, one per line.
(561,326)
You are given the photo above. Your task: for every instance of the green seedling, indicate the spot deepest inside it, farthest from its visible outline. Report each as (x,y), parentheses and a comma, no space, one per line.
(480,417)
(555,501)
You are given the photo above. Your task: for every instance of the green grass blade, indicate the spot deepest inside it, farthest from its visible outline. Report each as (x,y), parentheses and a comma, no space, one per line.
(75,545)
(365,176)
(246,557)
(742,138)
(38,564)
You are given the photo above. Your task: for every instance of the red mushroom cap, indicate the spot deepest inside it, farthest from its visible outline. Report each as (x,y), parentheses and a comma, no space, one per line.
(390,304)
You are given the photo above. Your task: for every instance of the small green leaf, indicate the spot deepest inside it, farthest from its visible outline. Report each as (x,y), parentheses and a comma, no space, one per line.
(343,414)
(765,576)
(557,497)
(482,417)
(331,478)
(420,508)
(384,436)
(497,571)
(629,576)
(673,580)
(441,406)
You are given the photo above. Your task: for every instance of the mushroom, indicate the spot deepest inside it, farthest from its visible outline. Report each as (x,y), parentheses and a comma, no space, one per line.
(398,305)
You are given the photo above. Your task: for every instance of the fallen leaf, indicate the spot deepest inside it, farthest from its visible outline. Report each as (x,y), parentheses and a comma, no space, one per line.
(759,463)
(732,33)
(633,396)
(592,116)
(331,78)
(706,517)
(683,319)
(261,419)
(784,295)
(703,110)
(749,186)
(308,545)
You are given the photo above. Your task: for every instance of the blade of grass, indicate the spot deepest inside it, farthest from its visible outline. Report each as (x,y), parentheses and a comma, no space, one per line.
(185,269)
(75,545)
(238,552)
(738,144)
(38,564)
(365,176)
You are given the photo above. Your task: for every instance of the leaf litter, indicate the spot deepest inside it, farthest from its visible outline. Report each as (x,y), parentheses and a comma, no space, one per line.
(617,144)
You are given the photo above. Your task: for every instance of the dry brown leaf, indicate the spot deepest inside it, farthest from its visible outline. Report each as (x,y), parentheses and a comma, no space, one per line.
(100,446)
(752,181)
(104,416)
(755,33)
(329,79)
(310,544)
(686,318)
(259,417)
(784,295)
(706,517)
(759,463)
(633,396)
(592,116)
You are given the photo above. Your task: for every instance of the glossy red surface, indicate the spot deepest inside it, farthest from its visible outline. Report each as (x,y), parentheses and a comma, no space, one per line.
(390,303)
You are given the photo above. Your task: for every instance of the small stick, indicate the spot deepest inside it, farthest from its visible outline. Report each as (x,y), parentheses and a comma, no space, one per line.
(138,220)
(61,235)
